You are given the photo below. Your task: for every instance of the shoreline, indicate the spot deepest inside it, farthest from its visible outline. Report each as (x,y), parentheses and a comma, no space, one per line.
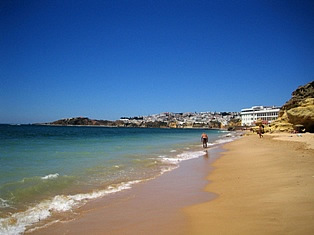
(154,206)
(66,205)
(264,186)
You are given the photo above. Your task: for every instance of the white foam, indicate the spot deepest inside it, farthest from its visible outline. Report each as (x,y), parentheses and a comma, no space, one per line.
(222,141)
(167,169)
(223,131)
(182,157)
(173,151)
(51,176)
(227,139)
(44,226)
(190,155)
(4,203)
(18,222)
(170,160)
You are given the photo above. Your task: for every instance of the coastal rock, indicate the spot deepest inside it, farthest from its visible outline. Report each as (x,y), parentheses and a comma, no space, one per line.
(303,114)
(82,121)
(280,126)
(299,110)
(298,97)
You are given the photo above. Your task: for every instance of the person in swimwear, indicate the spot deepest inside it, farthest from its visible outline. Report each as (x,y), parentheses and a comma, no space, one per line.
(204,139)
(261,131)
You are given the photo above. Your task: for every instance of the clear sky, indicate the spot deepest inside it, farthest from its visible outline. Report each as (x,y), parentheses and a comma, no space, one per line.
(112,58)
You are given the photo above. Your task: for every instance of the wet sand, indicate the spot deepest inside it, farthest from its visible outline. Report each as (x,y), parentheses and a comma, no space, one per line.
(264,186)
(153,207)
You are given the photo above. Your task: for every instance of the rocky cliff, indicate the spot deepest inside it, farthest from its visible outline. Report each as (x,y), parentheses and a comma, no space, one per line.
(299,110)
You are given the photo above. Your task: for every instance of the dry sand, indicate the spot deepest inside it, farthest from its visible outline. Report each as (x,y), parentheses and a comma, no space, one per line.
(264,186)
(306,138)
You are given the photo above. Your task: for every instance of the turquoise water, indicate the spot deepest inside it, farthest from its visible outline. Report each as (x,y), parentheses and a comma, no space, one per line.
(50,169)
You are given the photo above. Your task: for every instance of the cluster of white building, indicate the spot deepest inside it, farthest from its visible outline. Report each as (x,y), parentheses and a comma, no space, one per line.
(248,117)
(188,118)
(267,114)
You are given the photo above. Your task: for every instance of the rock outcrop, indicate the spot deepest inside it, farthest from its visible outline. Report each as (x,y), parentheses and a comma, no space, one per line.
(84,121)
(298,111)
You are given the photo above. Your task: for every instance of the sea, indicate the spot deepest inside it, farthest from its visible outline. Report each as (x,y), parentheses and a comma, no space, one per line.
(46,170)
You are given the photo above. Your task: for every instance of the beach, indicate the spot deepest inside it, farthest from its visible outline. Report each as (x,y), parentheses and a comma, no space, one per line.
(256,186)
(152,207)
(263,186)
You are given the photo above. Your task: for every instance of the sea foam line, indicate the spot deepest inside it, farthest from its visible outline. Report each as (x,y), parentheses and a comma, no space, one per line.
(195,154)
(18,222)
(3,203)
(51,176)
(182,157)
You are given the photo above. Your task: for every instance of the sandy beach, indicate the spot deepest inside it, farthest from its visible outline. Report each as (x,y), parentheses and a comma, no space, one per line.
(264,186)
(258,186)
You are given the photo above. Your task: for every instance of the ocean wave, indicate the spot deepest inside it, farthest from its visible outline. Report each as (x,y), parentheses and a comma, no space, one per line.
(51,176)
(182,157)
(173,162)
(195,154)
(227,138)
(4,203)
(18,222)
(223,131)
(223,141)
(43,226)
(168,168)
(38,178)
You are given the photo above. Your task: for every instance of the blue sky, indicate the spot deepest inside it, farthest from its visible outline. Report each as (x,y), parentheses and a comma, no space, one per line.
(107,59)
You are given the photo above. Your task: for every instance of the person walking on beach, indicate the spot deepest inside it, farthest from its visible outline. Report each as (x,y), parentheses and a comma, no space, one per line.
(204,139)
(261,131)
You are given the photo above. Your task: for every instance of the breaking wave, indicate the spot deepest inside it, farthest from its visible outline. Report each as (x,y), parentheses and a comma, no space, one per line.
(51,176)
(18,222)
(181,157)
(4,203)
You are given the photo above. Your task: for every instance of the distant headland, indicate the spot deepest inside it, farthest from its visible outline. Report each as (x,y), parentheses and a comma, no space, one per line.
(206,120)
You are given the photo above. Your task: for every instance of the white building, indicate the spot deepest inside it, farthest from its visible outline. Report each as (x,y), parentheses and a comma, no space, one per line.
(267,114)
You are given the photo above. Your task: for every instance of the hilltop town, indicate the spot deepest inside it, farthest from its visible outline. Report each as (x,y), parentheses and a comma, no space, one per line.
(185,120)
(162,120)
